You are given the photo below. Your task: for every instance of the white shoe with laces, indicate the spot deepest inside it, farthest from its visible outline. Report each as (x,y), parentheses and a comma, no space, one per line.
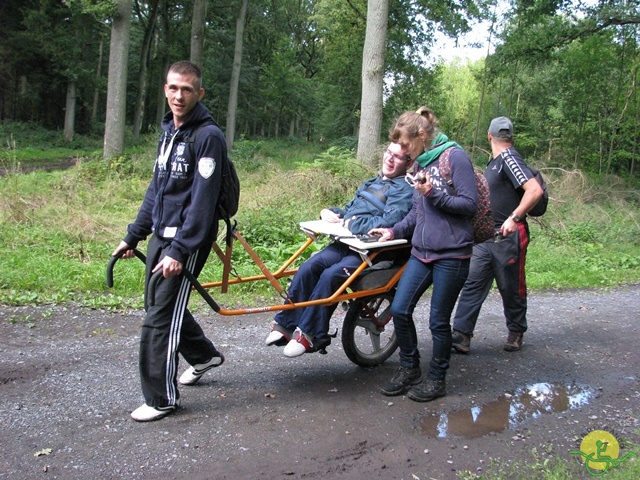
(192,374)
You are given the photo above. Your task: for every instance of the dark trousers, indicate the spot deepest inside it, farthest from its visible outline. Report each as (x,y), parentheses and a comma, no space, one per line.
(317,278)
(169,329)
(502,259)
(447,277)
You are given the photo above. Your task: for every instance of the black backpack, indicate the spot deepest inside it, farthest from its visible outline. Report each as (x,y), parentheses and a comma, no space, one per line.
(229,197)
(541,207)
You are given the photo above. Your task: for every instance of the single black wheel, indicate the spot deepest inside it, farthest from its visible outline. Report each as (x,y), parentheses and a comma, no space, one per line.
(368,337)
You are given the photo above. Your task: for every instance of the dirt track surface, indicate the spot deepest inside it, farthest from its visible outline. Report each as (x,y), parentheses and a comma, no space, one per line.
(68,382)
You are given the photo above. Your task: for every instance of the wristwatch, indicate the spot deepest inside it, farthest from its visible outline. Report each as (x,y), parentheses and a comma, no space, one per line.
(514,217)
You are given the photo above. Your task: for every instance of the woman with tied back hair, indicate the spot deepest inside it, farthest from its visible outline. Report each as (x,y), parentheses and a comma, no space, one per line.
(439,227)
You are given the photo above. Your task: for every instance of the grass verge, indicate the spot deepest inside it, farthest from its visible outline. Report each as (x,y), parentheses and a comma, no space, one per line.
(59,228)
(550,466)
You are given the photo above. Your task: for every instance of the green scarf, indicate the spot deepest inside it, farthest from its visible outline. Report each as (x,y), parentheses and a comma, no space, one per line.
(438,145)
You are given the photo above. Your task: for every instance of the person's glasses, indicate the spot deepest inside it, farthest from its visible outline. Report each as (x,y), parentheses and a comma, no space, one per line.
(396,156)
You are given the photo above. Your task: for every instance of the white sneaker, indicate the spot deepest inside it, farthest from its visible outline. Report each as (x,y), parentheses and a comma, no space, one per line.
(192,374)
(278,336)
(298,345)
(145,413)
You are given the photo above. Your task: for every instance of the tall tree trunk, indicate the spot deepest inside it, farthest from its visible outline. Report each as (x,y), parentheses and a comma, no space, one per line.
(96,92)
(117,81)
(161,105)
(372,81)
(235,76)
(600,143)
(70,111)
(484,85)
(616,126)
(197,31)
(634,151)
(144,65)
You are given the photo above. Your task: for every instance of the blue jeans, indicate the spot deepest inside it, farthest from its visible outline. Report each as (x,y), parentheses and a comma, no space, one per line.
(447,277)
(317,278)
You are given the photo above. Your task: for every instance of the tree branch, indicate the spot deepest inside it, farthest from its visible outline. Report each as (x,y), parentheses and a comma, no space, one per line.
(358,12)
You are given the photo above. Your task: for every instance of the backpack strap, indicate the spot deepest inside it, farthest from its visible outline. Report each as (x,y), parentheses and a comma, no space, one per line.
(444,165)
(376,194)
(191,138)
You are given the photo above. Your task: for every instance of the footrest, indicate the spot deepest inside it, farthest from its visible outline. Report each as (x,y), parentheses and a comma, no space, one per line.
(321,345)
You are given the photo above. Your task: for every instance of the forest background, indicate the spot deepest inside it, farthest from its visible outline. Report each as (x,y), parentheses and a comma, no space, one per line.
(305,91)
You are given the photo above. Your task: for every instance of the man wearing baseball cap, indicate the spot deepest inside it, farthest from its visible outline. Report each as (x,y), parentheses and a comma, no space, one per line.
(513,191)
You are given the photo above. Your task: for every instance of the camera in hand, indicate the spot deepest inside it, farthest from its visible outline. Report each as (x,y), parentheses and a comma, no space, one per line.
(413,180)
(366,238)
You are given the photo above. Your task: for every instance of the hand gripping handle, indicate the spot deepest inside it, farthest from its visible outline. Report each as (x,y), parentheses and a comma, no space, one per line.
(115,258)
(156,277)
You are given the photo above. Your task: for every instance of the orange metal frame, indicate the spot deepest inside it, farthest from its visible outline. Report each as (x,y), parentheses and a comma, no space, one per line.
(340,295)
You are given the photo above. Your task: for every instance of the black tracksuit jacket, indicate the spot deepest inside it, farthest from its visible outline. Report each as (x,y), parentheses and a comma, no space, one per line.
(179,206)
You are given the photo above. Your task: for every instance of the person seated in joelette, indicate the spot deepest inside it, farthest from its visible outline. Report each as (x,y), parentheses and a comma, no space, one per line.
(380,202)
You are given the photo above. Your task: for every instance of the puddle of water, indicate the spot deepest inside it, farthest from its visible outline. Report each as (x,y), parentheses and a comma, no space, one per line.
(508,411)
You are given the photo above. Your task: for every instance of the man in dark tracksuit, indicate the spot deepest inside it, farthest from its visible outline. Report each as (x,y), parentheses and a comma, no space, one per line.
(178,211)
(513,191)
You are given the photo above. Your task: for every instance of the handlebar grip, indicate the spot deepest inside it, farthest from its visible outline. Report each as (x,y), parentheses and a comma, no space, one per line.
(150,292)
(155,278)
(115,258)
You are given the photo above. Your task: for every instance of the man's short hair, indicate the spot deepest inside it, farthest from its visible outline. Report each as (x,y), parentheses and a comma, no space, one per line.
(185,67)
(501,127)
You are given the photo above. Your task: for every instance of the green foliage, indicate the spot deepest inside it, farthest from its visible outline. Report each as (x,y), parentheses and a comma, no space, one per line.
(455,97)
(23,134)
(101,9)
(60,227)
(547,464)
(33,145)
(253,155)
(567,75)
(343,26)
(345,174)
(340,162)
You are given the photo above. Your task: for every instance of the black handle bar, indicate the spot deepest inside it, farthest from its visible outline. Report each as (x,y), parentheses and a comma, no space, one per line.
(115,258)
(156,277)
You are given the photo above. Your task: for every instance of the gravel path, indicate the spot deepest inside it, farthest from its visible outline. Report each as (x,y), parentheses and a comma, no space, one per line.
(68,381)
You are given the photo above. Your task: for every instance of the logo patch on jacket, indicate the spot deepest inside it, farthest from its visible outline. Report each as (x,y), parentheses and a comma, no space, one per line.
(206,167)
